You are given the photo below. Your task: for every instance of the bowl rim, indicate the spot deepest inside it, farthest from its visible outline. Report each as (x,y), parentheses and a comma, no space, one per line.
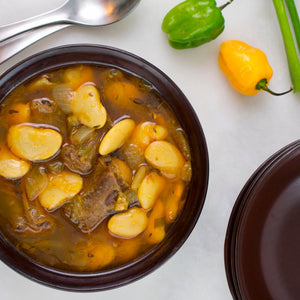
(66,55)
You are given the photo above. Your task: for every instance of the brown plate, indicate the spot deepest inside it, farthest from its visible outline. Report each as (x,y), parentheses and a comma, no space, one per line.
(260,242)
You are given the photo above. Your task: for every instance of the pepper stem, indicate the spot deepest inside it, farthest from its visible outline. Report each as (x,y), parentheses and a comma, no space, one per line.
(262,85)
(224,5)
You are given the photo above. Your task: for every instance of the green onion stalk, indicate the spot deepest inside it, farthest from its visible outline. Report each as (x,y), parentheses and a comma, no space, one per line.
(288,37)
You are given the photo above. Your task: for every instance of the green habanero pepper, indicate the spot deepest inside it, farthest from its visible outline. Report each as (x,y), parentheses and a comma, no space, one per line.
(193,23)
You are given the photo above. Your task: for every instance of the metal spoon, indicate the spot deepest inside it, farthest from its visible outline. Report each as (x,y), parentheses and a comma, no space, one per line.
(81,12)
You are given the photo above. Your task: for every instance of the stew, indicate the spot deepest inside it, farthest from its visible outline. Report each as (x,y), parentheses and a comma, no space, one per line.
(94,168)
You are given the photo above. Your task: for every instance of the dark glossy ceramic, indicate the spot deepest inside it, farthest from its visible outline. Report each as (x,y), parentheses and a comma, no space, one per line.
(179,232)
(261,254)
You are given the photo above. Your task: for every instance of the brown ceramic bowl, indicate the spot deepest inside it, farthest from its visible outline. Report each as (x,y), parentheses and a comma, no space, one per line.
(262,244)
(179,232)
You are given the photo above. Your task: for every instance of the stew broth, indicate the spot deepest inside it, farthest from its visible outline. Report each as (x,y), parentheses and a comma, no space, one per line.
(94,168)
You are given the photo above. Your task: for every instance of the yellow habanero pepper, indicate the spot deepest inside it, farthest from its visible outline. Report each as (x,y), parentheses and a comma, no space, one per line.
(246,67)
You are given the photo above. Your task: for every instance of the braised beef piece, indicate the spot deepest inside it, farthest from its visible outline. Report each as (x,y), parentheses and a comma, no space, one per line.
(36,218)
(98,198)
(29,216)
(81,157)
(43,106)
(46,111)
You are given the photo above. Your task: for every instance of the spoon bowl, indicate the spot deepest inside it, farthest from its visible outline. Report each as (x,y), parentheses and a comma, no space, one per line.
(80,12)
(97,12)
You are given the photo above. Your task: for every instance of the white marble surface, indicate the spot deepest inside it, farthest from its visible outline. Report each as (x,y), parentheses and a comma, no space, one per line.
(241,133)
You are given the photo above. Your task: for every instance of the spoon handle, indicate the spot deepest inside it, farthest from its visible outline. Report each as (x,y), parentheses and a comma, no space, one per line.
(11,30)
(13,46)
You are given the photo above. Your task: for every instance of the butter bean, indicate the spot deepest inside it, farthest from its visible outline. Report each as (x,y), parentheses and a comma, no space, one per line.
(147,132)
(90,255)
(173,200)
(33,143)
(150,188)
(138,177)
(128,224)
(77,76)
(116,136)
(165,157)
(11,166)
(99,255)
(127,249)
(18,113)
(40,83)
(121,93)
(61,187)
(159,133)
(88,108)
